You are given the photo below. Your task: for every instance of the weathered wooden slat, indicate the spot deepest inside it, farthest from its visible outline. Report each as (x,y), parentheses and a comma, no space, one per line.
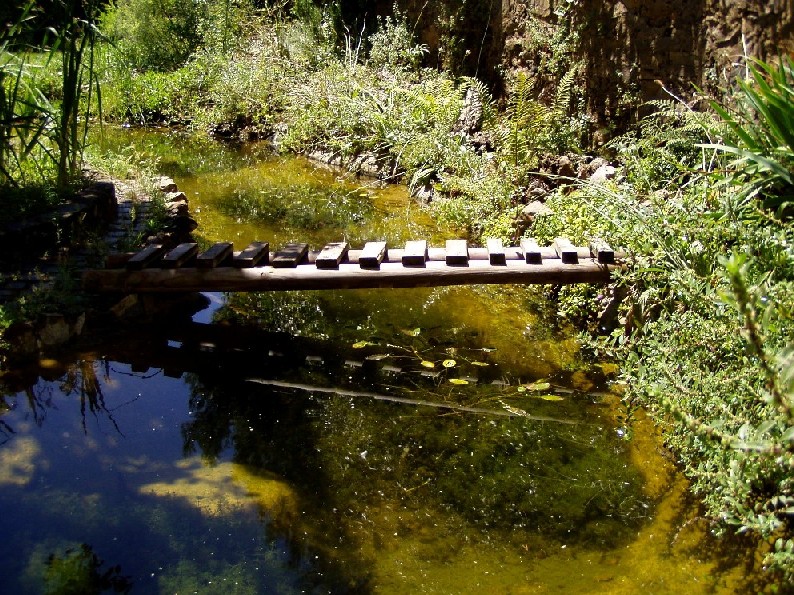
(255,254)
(457,253)
(496,252)
(179,255)
(373,254)
(290,255)
(331,255)
(415,253)
(566,251)
(348,276)
(146,257)
(531,251)
(602,251)
(214,256)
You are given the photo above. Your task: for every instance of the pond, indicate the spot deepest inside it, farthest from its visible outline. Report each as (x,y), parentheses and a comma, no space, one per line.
(445,440)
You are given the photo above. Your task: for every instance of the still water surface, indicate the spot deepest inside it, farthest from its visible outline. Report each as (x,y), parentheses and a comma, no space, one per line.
(390,441)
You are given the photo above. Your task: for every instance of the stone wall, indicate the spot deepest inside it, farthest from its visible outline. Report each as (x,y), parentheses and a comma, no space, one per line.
(629,49)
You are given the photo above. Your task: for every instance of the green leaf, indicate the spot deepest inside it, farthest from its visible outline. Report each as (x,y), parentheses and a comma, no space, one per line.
(449,363)
(427,364)
(538,386)
(551,397)
(412,332)
(361,344)
(458,381)
(376,357)
(480,364)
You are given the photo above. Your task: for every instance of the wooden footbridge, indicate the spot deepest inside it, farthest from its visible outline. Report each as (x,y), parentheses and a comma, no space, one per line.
(337,266)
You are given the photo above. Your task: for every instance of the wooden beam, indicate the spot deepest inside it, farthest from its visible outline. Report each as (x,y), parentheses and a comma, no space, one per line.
(602,251)
(348,276)
(415,253)
(566,251)
(457,253)
(496,252)
(373,254)
(531,251)
(145,257)
(214,256)
(255,254)
(290,255)
(179,256)
(331,255)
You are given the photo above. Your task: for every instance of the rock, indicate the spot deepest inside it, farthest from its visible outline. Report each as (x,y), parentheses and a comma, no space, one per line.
(175,196)
(179,209)
(588,167)
(533,209)
(470,118)
(603,173)
(55,330)
(565,167)
(166,184)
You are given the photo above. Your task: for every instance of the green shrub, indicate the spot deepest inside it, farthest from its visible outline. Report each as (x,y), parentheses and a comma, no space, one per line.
(762,139)
(154,34)
(393,45)
(706,330)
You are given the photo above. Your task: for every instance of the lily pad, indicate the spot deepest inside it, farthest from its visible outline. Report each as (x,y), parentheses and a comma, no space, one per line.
(449,363)
(427,364)
(458,381)
(551,397)
(361,344)
(483,364)
(415,332)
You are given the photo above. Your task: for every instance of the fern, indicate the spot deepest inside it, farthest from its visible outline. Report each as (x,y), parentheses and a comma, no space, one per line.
(564,94)
(532,127)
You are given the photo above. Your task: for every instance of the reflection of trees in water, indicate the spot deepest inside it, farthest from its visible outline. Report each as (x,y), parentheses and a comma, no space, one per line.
(78,379)
(273,433)
(497,479)
(79,570)
(81,379)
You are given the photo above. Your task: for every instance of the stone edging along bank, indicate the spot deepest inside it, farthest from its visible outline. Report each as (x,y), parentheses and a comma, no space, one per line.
(37,248)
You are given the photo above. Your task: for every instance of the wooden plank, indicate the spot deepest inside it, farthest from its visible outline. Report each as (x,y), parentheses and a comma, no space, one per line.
(373,254)
(567,252)
(496,252)
(214,256)
(180,255)
(457,253)
(602,251)
(348,276)
(290,255)
(331,255)
(145,257)
(415,254)
(531,251)
(255,254)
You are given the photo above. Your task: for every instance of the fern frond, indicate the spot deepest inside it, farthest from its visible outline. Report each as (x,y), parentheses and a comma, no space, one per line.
(562,98)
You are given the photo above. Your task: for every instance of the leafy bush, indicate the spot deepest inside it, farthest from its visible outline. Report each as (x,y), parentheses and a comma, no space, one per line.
(153,34)
(393,46)
(762,127)
(706,332)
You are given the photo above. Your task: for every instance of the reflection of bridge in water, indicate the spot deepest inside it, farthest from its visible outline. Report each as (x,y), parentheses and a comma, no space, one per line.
(336,266)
